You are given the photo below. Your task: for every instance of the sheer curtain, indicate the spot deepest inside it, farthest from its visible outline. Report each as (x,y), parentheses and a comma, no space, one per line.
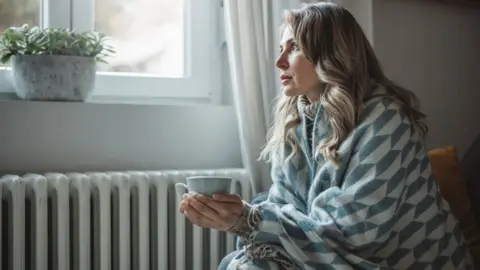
(252,40)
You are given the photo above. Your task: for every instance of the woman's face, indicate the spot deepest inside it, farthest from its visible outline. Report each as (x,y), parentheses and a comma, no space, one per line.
(297,74)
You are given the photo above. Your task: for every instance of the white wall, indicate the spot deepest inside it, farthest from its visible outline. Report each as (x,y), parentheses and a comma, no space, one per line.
(37,136)
(434,50)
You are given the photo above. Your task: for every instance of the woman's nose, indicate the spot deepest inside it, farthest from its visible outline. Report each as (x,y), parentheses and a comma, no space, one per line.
(282,62)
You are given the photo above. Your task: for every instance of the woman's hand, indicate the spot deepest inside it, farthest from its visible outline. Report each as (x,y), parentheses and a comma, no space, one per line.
(221,212)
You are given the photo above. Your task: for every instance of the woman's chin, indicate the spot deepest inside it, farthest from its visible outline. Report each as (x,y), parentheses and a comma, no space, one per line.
(290,91)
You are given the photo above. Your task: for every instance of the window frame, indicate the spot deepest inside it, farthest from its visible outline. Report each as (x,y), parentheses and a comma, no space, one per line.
(203,42)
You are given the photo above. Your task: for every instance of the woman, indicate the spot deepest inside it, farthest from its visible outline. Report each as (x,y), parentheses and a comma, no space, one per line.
(352,187)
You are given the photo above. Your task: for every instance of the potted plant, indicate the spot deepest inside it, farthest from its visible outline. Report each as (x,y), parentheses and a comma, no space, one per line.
(52,64)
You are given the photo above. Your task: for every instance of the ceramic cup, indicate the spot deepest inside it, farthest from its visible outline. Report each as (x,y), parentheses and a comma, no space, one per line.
(206,185)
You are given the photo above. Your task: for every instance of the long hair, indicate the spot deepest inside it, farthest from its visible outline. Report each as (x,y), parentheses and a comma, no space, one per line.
(330,38)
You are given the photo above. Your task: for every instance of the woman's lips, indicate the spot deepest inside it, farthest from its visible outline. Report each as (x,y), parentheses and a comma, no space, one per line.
(285,79)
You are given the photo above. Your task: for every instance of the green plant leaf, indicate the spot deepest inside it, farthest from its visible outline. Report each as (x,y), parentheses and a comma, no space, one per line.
(5,58)
(25,40)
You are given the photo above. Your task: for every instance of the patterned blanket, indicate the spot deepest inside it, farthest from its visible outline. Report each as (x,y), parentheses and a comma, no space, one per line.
(379,209)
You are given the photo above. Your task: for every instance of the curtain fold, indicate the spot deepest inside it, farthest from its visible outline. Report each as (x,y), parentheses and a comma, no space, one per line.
(252,34)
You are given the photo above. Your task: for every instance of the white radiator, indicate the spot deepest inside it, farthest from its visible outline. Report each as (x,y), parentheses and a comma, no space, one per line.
(111,220)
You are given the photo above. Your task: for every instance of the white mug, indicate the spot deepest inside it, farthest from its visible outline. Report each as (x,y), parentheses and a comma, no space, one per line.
(206,185)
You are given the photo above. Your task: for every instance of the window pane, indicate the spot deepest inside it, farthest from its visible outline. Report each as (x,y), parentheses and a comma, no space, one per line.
(19,12)
(148,35)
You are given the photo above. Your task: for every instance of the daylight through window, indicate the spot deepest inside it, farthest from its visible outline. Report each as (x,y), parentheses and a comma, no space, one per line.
(147,35)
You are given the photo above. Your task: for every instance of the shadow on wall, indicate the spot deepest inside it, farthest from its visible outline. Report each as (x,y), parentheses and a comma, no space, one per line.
(471,168)
(432,49)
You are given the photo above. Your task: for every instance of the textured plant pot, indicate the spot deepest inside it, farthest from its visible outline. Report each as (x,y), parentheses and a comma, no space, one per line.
(53,77)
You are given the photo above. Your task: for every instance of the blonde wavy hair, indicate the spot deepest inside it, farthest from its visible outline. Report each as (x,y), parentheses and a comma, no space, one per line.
(330,38)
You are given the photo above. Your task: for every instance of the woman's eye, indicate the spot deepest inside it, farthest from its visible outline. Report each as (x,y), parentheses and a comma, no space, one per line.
(294,47)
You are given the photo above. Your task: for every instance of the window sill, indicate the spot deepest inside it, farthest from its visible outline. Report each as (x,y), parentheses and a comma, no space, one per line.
(12,97)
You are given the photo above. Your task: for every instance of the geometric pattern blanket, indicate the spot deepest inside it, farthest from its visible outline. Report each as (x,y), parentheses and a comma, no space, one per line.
(379,208)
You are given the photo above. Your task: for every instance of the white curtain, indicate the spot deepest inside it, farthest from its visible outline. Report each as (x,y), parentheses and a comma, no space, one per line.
(251,28)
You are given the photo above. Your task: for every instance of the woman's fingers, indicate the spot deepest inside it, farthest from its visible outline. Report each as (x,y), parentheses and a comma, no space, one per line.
(222,208)
(206,212)
(198,219)
(182,206)
(232,198)
(203,209)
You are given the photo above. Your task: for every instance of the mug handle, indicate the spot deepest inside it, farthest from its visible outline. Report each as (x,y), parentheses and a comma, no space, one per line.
(181,189)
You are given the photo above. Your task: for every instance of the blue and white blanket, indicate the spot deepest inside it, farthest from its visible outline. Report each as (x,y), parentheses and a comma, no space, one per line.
(379,209)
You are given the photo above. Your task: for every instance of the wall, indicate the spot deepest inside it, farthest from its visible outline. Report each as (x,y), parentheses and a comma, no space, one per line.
(434,50)
(363,13)
(38,136)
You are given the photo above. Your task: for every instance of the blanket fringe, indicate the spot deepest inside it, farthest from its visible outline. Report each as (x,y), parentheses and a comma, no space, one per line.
(255,251)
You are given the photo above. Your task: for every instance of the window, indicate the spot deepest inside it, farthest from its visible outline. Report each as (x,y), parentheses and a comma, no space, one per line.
(19,12)
(164,48)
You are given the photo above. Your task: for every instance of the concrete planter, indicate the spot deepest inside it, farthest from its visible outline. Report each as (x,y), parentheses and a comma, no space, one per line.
(53,77)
